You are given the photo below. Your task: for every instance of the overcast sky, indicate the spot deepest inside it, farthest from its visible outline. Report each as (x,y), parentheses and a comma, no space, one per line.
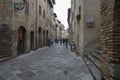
(61,8)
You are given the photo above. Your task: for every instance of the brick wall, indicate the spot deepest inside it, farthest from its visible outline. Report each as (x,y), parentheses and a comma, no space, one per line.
(110,39)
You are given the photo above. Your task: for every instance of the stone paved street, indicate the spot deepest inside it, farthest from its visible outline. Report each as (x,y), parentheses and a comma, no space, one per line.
(54,63)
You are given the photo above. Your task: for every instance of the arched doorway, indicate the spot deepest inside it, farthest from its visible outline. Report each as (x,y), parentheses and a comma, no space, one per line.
(47,37)
(21,47)
(31,40)
(40,37)
(44,40)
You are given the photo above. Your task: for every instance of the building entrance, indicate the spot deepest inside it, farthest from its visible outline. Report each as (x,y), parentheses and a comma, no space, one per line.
(32,40)
(21,46)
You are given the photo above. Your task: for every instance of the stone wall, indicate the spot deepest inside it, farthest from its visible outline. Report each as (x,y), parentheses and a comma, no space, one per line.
(6,16)
(110,39)
(91,33)
(21,29)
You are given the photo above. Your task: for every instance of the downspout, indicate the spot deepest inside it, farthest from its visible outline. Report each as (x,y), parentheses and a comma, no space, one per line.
(14,48)
(36,23)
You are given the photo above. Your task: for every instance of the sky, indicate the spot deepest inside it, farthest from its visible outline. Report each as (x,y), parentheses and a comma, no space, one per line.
(61,9)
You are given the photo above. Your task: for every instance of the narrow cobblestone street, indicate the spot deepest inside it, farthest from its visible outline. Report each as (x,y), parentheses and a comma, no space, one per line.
(54,63)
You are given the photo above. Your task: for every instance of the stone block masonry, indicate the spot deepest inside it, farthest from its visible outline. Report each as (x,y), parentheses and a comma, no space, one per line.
(5,27)
(22,27)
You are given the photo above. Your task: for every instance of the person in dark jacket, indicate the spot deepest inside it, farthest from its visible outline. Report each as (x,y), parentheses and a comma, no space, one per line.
(49,42)
(66,42)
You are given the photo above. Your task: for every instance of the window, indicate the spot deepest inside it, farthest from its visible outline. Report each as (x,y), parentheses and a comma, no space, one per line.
(43,13)
(39,10)
(78,17)
(80,10)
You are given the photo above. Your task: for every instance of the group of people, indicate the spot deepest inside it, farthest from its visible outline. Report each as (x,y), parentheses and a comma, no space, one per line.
(63,42)
(66,43)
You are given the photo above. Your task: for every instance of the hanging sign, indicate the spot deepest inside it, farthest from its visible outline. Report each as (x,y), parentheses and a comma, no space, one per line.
(19,6)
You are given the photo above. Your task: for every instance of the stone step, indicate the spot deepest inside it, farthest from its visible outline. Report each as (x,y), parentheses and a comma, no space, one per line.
(95,71)
(94,60)
(97,55)
(98,51)
(4,58)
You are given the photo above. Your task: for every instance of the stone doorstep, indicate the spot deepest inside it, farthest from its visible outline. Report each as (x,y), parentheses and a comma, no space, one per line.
(97,55)
(5,58)
(94,60)
(95,72)
(2,56)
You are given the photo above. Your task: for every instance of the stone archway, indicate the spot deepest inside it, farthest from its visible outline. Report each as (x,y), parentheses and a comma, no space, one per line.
(31,40)
(21,44)
(40,37)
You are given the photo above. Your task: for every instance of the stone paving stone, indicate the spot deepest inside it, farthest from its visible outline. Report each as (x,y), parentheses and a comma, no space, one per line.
(1,78)
(16,72)
(25,75)
(53,63)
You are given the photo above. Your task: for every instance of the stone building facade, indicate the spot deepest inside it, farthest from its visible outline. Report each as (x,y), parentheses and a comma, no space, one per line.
(6,26)
(110,39)
(54,27)
(69,25)
(62,29)
(24,26)
(58,24)
(84,23)
(107,25)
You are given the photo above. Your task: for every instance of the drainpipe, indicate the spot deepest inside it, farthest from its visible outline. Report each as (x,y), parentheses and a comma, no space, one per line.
(36,23)
(14,50)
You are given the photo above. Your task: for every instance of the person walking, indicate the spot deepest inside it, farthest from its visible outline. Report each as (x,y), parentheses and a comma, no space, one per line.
(66,42)
(49,42)
(61,41)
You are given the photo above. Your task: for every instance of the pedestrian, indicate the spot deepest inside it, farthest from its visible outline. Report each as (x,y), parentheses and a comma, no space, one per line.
(49,42)
(61,41)
(66,42)
(56,40)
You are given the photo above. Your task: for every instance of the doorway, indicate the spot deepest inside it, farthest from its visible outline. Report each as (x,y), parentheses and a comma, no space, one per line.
(40,37)
(21,47)
(44,40)
(31,40)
